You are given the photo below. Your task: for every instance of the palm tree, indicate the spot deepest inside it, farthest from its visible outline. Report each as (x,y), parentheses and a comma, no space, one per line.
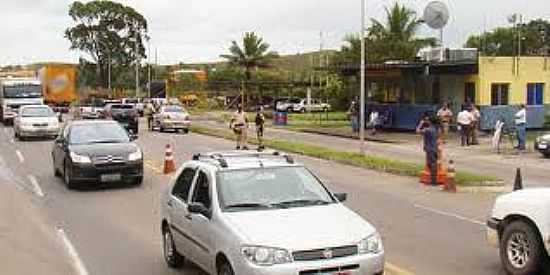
(253,55)
(398,34)
(395,39)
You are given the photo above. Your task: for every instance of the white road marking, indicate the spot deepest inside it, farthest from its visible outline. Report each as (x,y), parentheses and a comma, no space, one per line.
(20,156)
(36,186)
(448,214)
(71,251)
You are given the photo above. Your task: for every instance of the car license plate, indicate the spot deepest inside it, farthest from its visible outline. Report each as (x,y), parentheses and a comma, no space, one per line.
(543,146)
(110,177)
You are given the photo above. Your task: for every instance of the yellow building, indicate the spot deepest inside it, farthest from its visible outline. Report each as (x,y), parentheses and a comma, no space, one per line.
(403,91)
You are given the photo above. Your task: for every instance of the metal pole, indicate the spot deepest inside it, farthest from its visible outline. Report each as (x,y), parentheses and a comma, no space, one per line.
(519,34)
(362,108)
(137,63)
(109,70)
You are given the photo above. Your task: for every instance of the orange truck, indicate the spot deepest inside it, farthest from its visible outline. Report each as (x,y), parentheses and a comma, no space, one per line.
(58,85)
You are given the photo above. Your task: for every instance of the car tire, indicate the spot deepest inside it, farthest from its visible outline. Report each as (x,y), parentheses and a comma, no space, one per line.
(521,237)
(225,268)
(546,155)
(303,110)
(138,181)
(67,178)
(186,131)
(56,172)
(171,255)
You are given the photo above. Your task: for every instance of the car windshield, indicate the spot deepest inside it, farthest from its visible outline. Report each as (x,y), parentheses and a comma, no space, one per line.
(122,107)
(264,188)
(37,112)
(98,133)
(296,100)
(23,91)
(173,109)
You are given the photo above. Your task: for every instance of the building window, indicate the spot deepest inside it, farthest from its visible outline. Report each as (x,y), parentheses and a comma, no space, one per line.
(470,92)
(499,94)
(535,94)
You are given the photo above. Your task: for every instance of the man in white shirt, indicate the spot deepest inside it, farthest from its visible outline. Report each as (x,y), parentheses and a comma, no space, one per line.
(521,126)
(465,120)
(239,124)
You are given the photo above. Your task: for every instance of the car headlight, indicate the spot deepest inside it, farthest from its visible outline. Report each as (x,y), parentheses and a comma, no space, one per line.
(137,155)
(266,256)
(370,245)
(80,158)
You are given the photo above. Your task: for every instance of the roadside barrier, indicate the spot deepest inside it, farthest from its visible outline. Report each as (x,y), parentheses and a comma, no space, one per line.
(450,183)
(169,164)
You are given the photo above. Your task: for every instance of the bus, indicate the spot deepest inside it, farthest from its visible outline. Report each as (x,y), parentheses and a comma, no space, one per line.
(16,92)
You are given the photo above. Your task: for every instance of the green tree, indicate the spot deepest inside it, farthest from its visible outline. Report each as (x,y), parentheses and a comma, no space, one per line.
(253,54)
(393,39)
(107,32)
(503,41)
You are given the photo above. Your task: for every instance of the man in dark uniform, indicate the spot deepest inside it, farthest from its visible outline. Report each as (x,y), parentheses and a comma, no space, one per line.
(428,128)
(260,122)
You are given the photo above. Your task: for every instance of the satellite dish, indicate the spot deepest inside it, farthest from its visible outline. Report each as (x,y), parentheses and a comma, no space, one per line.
(436,15)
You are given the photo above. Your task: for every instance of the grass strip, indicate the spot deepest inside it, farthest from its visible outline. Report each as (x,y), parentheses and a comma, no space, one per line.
(377,163)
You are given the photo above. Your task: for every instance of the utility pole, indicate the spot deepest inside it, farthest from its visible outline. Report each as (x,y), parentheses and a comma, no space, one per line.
(149,72)
(137,61)
(519,34)
(363,55)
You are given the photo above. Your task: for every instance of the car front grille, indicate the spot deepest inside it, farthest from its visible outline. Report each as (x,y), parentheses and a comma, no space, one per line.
(109,160)
(40,125)
(324,254)
(332,270)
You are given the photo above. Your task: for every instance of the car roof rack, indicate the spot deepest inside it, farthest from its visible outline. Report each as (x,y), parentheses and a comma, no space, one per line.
(220,157)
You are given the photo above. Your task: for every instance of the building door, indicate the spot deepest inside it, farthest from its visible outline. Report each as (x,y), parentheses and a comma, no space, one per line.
(470,92)
(535,94)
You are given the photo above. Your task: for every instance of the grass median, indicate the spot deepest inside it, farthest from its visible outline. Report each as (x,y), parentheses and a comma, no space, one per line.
(356,159)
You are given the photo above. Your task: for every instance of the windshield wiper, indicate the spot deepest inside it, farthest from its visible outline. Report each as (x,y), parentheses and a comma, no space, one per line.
(104,141)
(303,202)
(249,205)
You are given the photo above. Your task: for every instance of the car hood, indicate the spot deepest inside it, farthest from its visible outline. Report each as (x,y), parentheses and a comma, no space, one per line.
(302,228)
(113,149)
(528,195)
(49,120)
(176,116)
(545,137)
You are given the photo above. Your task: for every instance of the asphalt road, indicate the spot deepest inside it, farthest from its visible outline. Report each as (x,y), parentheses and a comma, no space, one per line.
(116,230)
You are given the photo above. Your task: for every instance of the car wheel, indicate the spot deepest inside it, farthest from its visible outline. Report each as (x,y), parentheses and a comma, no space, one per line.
(138,181)
(186,131)
(68,177)
(521,250)
(171,255)
(546,155)
(55,170)
(303,110)
(225,268)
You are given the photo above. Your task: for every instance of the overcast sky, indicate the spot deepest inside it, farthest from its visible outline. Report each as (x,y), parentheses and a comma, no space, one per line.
(201,30)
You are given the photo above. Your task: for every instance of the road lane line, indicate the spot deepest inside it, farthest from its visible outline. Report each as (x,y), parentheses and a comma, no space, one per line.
(36,186)
(395,270)
(449,214)
(71,251)
(20,156)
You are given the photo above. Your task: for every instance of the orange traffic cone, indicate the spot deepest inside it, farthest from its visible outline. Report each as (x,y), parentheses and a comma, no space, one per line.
(169,164)
(450,184)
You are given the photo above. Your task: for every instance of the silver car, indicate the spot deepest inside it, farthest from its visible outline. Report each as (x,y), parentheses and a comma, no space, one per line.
(172,117)
(36,121)
(249,213)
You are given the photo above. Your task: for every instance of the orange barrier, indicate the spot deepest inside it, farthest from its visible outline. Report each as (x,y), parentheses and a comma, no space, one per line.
(425,176)
(169,164)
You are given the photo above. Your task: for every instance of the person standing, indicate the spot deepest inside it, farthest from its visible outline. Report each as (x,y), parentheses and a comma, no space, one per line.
(464,120)
(476,117)
(445,115)
(521,126)
(239,124)
(149,112)
(260,123)
(428,129)
(353,113)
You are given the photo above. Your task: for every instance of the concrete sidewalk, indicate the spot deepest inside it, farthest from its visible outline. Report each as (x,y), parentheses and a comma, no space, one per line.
(476,159)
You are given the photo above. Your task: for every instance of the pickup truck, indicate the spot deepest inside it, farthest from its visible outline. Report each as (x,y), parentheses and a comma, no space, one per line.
(520,227)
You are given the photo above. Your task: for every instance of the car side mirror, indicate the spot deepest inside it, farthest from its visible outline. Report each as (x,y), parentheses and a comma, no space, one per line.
(133,137)
(200,209)
(341,197)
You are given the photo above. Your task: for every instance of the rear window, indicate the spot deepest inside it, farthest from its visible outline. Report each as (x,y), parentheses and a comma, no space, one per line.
(173,109)
(37,112)
(125,107)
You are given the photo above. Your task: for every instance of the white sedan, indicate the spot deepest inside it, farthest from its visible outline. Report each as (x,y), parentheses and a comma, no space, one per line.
(36,121)
(262,214)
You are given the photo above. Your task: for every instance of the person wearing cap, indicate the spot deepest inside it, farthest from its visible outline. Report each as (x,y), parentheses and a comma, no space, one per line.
(445,115)
(428,129)
(260,122)
(239,124)
(465,120)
